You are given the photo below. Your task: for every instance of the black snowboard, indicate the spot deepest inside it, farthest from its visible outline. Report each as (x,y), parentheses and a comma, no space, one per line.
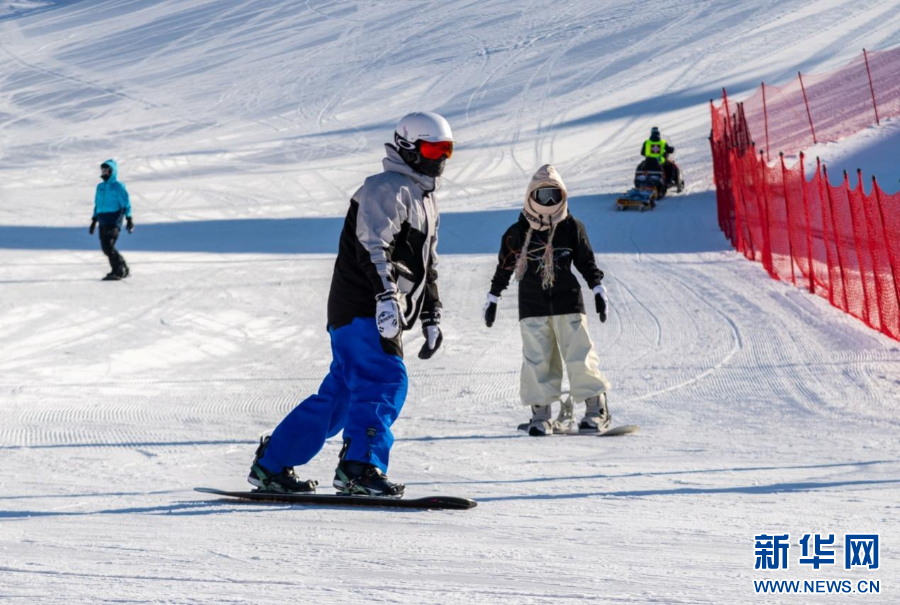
(429,502)
(624,429)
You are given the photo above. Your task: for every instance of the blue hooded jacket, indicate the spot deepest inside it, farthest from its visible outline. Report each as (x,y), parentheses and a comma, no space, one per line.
(111,202)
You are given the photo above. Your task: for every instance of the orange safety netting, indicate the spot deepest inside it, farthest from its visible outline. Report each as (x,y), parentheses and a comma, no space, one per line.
(824,107)
(837,241)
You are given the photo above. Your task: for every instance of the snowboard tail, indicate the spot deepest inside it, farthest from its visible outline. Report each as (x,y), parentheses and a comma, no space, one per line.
(426,503)
(623,429)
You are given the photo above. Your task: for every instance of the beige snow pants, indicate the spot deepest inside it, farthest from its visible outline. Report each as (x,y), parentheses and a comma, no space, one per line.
(547,343)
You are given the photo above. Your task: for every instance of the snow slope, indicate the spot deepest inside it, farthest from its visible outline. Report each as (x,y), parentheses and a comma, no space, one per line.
(871,150)
(242,128)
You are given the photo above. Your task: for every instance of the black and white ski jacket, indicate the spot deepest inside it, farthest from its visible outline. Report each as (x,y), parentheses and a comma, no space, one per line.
(570,246)
(388,243)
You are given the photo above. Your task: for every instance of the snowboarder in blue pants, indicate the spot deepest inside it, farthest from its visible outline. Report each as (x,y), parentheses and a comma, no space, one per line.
(384,279)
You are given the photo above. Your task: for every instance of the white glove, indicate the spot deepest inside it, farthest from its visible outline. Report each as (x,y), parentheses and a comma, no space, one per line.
(387,314)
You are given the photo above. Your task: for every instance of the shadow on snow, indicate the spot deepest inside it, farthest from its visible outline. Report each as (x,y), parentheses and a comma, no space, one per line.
(672,228)
(774,488)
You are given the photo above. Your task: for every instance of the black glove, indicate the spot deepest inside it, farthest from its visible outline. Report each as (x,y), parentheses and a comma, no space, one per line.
(490,309)
(93,226)
(129,224)
(601,301)
(431,329)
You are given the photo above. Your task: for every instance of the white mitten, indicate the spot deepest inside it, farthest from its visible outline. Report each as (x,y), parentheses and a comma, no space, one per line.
(387,314)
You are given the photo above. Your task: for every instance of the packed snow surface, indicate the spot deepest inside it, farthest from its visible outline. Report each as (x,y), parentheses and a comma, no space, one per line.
(242,128)
(872,151)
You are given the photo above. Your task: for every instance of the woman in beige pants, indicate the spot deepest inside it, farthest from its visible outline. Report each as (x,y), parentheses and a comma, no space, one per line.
(540,249)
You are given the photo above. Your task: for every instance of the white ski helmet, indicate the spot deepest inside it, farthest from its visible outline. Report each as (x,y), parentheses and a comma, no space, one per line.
(424,141)
(423,126)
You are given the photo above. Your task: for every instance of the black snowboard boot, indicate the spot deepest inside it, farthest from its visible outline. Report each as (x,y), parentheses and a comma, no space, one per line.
(284,481)
(112,277)
(352,477)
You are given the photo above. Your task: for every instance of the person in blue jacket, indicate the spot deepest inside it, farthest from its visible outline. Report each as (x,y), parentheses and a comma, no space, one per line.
(111,205)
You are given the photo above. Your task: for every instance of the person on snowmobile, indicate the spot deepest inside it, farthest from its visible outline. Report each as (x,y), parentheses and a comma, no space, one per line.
(540,249)
(384,278)
(659,149)
(111,205)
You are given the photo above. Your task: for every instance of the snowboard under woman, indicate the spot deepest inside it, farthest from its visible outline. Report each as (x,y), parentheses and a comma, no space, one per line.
(540,249)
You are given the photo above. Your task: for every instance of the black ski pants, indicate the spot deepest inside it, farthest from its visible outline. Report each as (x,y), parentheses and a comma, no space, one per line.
(672,172)
(108,236)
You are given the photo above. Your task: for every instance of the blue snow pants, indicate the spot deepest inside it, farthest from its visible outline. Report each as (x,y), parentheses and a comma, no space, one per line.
(362,395)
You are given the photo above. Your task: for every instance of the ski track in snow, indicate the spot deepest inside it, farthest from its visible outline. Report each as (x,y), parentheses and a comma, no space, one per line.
(761,407)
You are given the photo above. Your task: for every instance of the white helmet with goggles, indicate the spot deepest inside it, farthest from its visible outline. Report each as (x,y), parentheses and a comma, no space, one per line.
(424,141)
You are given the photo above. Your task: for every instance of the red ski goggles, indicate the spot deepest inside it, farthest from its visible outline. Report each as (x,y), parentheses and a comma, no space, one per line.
(436,151)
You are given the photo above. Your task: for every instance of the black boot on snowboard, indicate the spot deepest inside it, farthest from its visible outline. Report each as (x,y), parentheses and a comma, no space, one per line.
(352,477)
(283,482)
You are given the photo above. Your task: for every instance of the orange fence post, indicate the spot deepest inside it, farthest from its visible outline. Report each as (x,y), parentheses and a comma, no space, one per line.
(808,114)
(790,223)
(869,237)
(766,121)
(767,232)
(859,262)
(837,241)
(828,260)
(742,198)
(727,113)
(871,88)
(724,154)
(810,272)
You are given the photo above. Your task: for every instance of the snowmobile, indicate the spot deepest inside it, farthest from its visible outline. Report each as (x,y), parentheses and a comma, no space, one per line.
(650,186)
